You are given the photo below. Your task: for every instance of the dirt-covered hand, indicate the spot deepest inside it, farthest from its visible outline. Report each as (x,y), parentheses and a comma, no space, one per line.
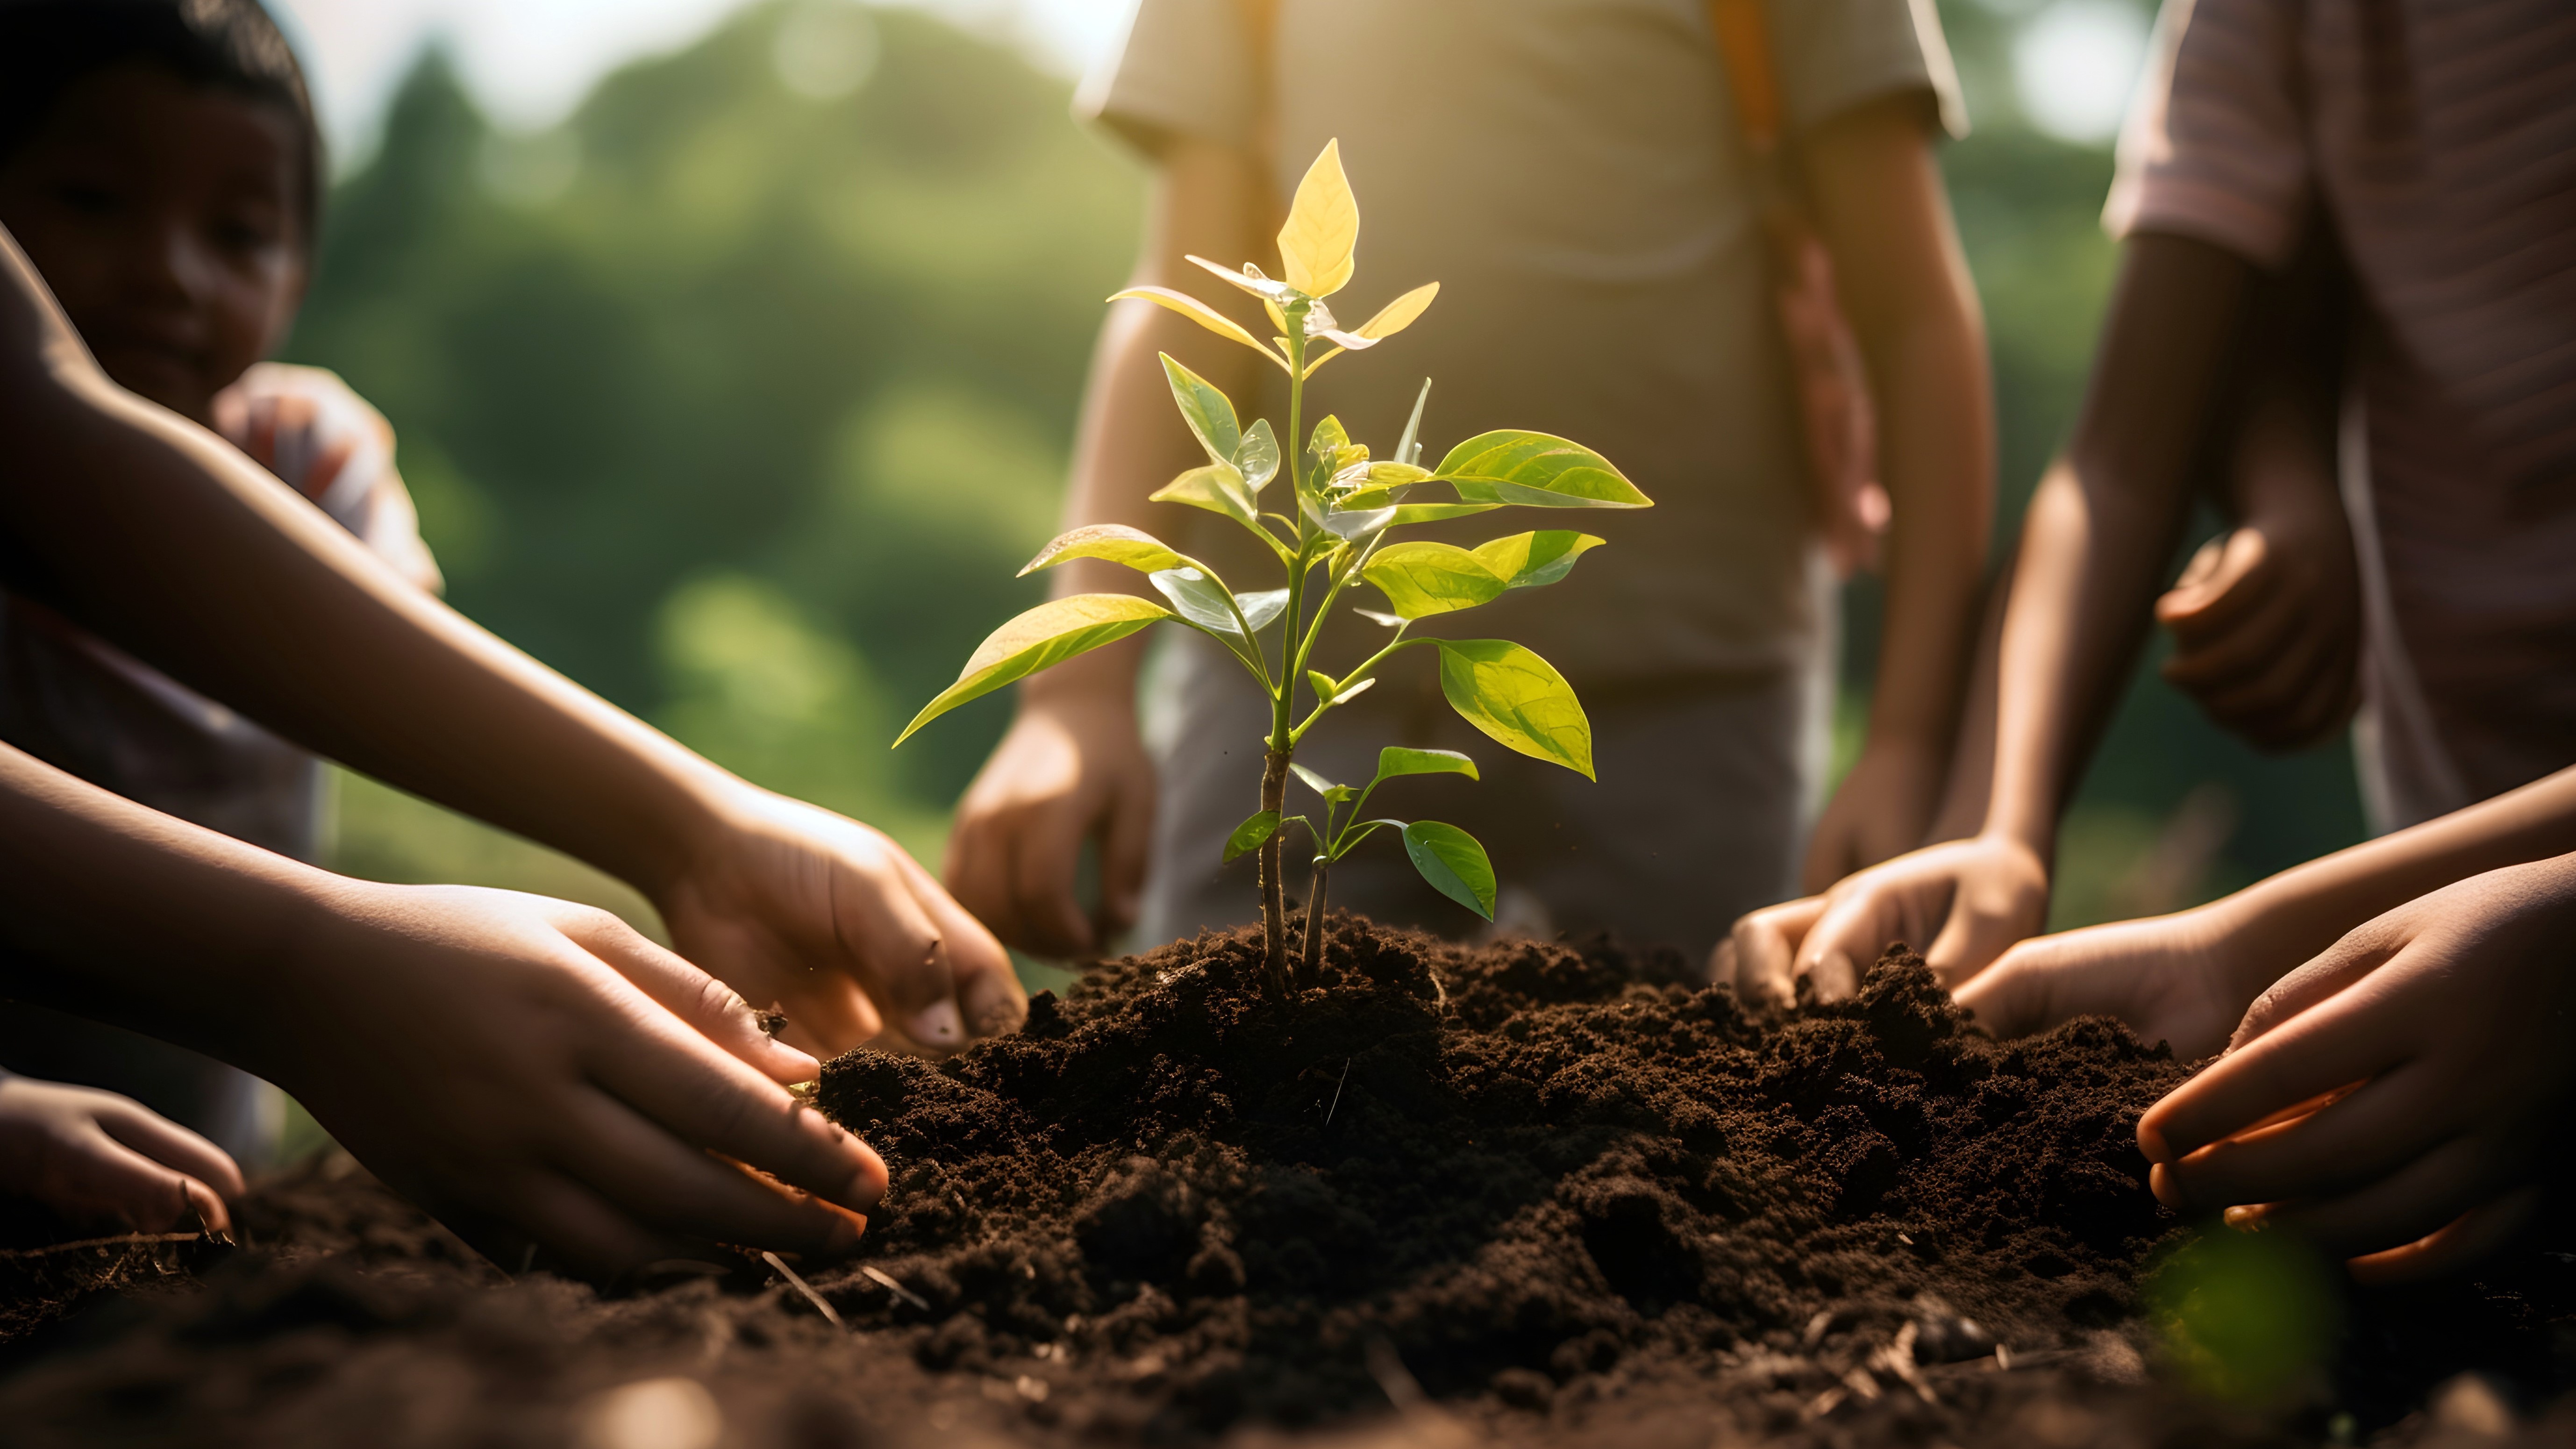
(1073,768)
(103,1161)
(2400,1097)
(2170,978)
(1970,898)
(1880,811)
(540,1076)
(840,926)
(2266,622)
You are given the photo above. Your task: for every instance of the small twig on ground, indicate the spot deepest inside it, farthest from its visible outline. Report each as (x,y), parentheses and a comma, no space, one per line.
(898,1290)
(121,1240)
(797,1282)
(1337,1092)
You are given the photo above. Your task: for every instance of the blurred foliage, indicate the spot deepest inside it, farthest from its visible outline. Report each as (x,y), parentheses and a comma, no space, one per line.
(739,396)
(2246,1317)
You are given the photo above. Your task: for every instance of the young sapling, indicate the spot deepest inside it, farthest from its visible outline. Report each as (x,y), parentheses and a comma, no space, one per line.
(1334,528)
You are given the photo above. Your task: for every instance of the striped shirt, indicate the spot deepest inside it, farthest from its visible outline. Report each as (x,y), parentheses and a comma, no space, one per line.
(2439,138)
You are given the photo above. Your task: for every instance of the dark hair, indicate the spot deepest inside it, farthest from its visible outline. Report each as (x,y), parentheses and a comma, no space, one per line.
(229,45)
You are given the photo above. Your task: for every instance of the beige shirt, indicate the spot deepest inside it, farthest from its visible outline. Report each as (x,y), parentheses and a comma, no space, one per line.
(2440,136)
(1570,172)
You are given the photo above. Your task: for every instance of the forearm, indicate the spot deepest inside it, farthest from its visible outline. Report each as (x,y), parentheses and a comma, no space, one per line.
(1937,452)
(121,914)
(161,537)
(1130,442)
(2278,922)
(2103,524)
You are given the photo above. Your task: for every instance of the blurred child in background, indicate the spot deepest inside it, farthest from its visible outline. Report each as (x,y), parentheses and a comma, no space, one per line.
(160,164)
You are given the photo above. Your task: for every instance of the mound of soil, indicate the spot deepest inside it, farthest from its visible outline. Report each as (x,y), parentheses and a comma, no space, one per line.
(1524,1172)
(1519,1194)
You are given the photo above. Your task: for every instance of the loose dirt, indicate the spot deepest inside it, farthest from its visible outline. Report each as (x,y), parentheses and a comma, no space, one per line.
(1527,1193)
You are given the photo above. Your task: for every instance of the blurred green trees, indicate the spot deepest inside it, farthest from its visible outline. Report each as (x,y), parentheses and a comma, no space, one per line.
(708,392)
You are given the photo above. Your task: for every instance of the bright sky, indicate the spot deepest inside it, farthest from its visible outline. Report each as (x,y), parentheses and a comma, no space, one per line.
(531,60)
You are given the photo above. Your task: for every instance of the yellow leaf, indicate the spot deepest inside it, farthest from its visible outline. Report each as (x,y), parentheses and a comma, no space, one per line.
(1199,312)
(1399,314)
(1323,226)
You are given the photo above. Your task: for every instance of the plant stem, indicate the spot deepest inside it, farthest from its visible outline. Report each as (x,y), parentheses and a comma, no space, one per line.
(1314,967)
(1274,905)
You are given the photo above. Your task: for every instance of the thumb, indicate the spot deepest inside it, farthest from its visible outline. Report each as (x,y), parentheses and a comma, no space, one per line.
(2014,996)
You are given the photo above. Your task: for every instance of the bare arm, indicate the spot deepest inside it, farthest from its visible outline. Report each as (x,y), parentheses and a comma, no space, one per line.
(1073,768)
(1905,286)
(534,1072)
(160,536)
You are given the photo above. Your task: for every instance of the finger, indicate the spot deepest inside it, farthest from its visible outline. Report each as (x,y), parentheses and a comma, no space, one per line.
(1969,942)
(2456,1244)
(2355,1140)
(712,1008)
(2329,1047)
(896,950)
(2030,988)
(988,991)
(1860,921)
(1124,851)
(707,1099)
(171,1145)
(1043,857)
(2234,586)
(99,1179)
(665,1184)
(2361,951)
(2418,1199)
(1764,947)
(2260,668)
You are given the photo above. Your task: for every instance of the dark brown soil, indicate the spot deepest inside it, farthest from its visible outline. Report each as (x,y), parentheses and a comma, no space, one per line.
(1525,1194)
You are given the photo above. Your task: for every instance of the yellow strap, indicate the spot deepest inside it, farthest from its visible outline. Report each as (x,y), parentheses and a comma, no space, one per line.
(1743,36)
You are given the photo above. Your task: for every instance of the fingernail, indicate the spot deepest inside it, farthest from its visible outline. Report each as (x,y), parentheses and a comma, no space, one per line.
(993,1008)
(937,1025)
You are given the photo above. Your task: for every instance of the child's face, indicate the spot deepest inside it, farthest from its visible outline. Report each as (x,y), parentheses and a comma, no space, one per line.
(164,217)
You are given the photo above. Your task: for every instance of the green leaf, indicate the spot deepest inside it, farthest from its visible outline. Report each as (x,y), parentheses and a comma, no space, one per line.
(1385,621)
(1207,411)
(1047,635)
(1528,560)
(1408,449)
(1249,835)
(1321,786)
(1257,456)
(1421,579)
(1323,227)
(1323,684)
(1518,699)
(1396,760)
(1399,314)
(1536,470)
(1437,512)
(1202,604)
(1115,542)
(1261,606)
(1455,865)
(1218,488)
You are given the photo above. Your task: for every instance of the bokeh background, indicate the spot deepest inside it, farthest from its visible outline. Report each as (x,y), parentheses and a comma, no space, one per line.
(735,354)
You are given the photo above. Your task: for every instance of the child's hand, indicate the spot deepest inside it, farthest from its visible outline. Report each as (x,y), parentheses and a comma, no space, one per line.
(1073,768)
(2420,1074)
(538,1075)
(108,1162)
(842,928)
(2170,978)
(1970,898)
(2266,619)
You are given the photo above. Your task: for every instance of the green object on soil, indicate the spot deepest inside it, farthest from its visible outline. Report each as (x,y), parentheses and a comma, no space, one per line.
(1332,529)
(2247,1317)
